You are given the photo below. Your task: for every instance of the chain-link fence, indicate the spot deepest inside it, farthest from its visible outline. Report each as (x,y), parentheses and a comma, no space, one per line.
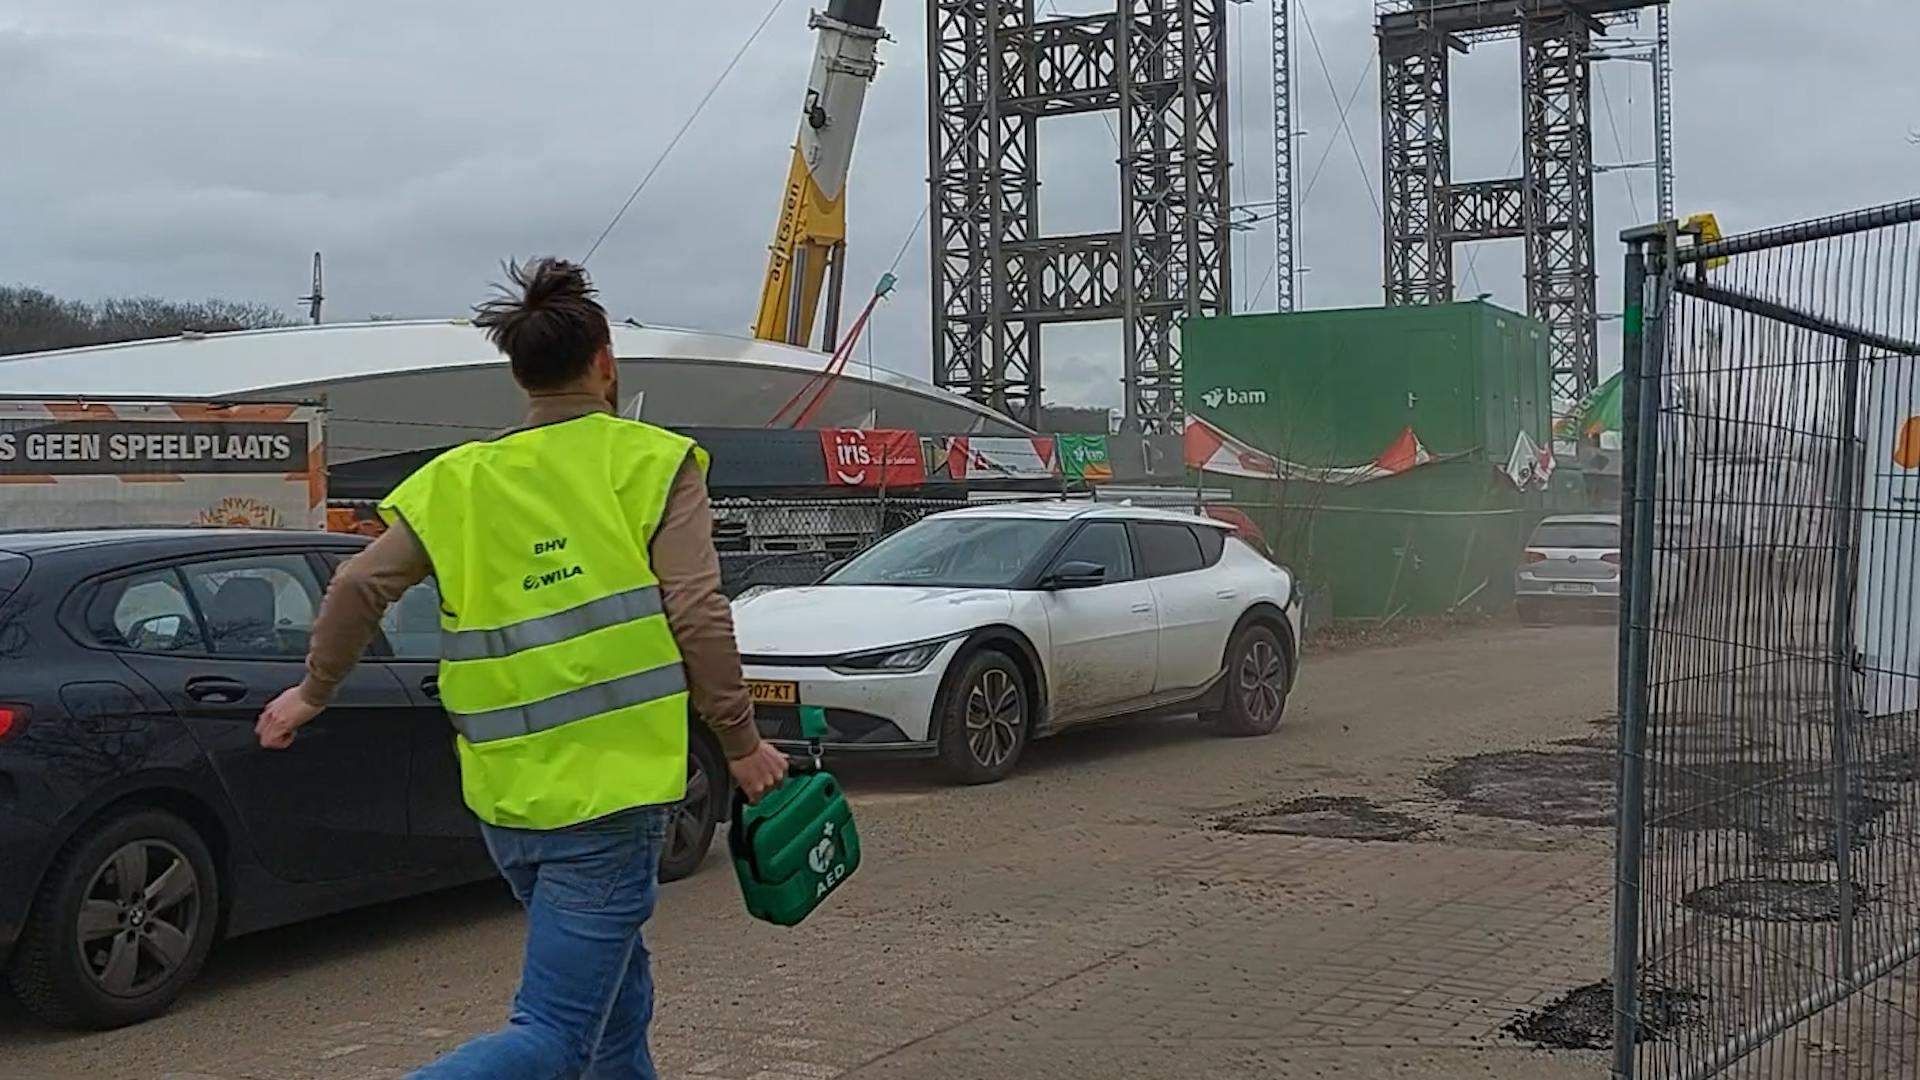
(763,542)
(766,543)
(1769,886)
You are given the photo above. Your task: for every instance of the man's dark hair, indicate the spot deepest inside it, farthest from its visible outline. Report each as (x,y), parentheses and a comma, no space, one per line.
(547,322)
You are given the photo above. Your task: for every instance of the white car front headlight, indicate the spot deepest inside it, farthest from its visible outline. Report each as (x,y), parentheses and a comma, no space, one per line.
(900,660)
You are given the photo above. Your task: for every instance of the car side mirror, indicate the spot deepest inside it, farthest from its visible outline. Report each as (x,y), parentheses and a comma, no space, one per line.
(1076,575)
(157,630)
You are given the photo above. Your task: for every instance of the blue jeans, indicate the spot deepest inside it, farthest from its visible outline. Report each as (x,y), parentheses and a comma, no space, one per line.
(586,990)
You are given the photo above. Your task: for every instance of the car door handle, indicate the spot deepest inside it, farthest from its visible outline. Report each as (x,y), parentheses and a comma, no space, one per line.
(216,689)
(1226,594)
(430,686)
(1142,609)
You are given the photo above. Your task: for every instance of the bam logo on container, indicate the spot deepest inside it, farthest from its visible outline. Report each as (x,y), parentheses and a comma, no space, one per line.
(1227,395)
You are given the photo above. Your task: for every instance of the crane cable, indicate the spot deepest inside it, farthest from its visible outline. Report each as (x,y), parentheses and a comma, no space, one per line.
(823,380)
(836,365)
(684,128)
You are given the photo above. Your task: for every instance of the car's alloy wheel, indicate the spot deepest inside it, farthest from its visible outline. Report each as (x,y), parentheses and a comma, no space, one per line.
(692,821)
(138,918)
(689,815)
(121,922)
(1258,676)
(983,718)
(1263,682)
(996,716)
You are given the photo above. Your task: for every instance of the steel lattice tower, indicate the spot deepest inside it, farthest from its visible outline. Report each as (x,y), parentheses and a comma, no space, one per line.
(1550,204)
(995,71)
(1285,237)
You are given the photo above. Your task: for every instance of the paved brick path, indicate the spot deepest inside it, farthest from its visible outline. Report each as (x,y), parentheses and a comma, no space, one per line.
(1088,918)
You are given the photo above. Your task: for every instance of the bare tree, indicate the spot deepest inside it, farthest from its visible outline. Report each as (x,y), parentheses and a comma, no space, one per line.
(32,319)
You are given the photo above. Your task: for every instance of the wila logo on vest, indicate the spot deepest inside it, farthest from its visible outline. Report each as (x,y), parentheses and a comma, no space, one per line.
(821,861)
(544,578)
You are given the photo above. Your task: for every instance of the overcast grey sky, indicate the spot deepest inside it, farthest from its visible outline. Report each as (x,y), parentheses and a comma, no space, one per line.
(193,148)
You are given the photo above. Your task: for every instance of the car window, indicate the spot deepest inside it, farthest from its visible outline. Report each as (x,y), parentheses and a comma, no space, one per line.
(1213,544)
(148,612)
(13,571)
(256,605)
(953,552)
(1166,548)
(412,624)
(1104,544)
(1576,534)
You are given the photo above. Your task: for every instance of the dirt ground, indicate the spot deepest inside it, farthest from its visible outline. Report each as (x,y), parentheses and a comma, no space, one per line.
(1417,859)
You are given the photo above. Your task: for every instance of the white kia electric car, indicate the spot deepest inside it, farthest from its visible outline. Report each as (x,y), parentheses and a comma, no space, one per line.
(974,631)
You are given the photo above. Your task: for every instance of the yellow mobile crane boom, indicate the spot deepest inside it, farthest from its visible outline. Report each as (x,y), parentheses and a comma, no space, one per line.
(809,248)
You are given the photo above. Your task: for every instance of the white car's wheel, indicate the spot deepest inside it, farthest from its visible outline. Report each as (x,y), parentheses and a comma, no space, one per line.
(983,718)
(1258,678)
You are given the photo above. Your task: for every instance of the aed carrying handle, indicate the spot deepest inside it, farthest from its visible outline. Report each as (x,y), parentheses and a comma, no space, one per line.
(813,725)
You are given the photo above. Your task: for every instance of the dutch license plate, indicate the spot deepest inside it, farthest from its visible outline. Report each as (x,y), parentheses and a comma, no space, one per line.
(1575,588)
(773,692)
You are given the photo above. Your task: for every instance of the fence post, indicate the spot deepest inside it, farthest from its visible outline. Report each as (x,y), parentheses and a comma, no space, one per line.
(1841,664)
(1639,444)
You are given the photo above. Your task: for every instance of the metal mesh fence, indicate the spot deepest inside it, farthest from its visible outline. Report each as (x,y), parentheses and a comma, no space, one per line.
(766,543)
(763,543)
(1769,883)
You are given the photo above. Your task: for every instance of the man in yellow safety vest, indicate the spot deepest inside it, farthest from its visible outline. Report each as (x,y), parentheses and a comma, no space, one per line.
(580,610)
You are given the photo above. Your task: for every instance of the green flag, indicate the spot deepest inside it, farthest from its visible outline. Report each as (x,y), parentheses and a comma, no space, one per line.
(1084,457)
(1599,412)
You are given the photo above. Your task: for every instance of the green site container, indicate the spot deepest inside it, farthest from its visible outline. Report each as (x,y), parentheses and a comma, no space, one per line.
(1336,388)
(1339,385)
(793,848)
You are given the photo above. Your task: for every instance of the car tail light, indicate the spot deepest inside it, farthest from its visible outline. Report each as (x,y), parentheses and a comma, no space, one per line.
(1536,556)
(1612,558)
(12,719)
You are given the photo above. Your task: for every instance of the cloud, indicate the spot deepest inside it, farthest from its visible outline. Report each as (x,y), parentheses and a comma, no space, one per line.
(207,147)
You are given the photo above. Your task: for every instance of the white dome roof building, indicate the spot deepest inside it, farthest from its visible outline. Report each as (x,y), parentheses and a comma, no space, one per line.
(391,387)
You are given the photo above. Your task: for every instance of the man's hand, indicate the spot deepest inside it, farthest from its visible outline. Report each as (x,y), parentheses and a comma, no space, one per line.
(282,717)
(760,771)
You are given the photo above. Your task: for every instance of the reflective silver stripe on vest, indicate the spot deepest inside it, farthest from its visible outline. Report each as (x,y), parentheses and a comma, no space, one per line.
(588,701)
(629,606)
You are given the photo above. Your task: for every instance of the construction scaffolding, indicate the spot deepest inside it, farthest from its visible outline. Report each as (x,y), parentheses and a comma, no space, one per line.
(996,71)
(1550,205)
(1286,237)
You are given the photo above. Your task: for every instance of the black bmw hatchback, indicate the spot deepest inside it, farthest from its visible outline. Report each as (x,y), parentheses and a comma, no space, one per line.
(139,819)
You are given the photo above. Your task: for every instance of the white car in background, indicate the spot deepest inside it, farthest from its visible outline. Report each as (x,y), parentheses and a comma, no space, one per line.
(972,632)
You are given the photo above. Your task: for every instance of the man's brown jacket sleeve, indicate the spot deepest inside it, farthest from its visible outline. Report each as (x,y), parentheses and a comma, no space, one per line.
(688,567)
(362,590)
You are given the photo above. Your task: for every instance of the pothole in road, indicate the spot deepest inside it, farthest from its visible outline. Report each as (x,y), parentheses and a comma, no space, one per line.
(1775,900)
(1582,1019)
(1895,767)
(1564,787)
(1790,817)
(1589,742)
(1791,820)
(1699,736)
(1334,817)
(1800,830)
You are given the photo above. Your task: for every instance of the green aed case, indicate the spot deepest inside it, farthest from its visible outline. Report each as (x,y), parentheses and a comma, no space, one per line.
(795,846)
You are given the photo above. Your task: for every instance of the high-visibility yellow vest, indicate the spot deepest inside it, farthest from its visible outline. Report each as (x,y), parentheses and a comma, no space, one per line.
(563,682)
